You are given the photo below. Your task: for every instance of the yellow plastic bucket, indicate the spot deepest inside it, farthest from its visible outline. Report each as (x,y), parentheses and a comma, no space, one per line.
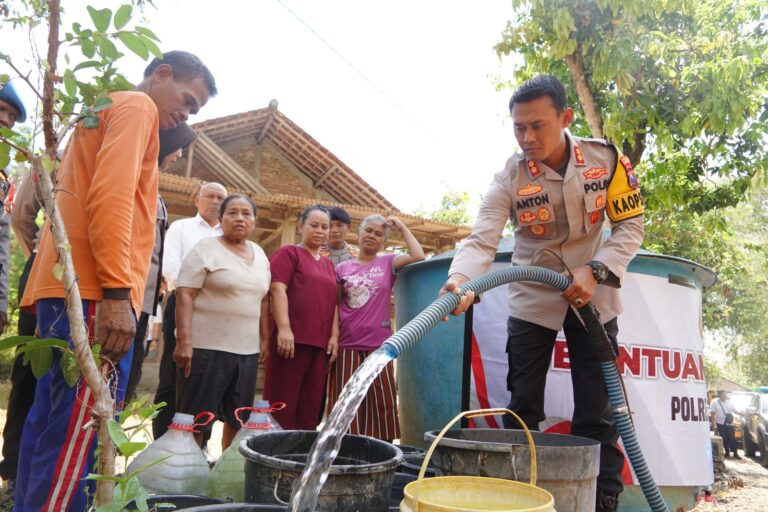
(474,493)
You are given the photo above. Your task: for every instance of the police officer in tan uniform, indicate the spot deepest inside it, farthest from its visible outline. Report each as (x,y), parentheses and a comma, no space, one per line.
(558,194)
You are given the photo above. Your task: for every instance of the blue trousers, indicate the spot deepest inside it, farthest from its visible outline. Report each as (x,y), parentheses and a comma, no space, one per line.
(56,450)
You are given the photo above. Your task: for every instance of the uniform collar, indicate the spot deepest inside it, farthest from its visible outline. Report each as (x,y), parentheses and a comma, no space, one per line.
(576,159)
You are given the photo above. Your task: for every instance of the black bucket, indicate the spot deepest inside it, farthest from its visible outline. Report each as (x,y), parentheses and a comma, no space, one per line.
(411,450)
(412,464)
(396,491)
(567,466)
(169,502)
(359,479)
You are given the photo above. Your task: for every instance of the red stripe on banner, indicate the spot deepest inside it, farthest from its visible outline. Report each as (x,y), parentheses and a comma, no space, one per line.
(478,372)
(626,472)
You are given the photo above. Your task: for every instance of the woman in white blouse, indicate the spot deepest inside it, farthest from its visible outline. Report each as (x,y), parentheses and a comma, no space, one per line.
(222,318)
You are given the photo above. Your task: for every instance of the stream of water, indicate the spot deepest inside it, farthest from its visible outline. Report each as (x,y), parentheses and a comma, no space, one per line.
(328,442)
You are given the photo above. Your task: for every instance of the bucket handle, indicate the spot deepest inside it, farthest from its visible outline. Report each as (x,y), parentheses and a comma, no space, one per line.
(474,414)
(274,491)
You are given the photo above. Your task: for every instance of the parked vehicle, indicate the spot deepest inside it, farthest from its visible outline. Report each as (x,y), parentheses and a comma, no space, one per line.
(741,401)
(755,427)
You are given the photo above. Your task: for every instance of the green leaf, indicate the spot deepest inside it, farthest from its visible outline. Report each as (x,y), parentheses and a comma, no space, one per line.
(45,343)
(86,64)
(138,471)
(130,448)
(91,121)
(58,270)
(123,16)
(100,17)
(41,361)
(69,368)
(134,43)
(89,48)
(148,33)
(49,165)
(70,86)
(153,48)
(107,478)
(101,103)
(5,155)
(15,341)
(116,433)
(108,49)
(4,78)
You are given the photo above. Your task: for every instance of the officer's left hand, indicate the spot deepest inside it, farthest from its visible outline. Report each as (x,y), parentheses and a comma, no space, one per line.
(582,287)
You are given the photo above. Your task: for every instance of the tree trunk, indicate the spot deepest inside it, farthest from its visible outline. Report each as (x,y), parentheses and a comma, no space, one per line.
(584,92)
(103,409)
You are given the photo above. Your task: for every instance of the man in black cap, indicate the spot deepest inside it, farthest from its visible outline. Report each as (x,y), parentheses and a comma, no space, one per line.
(337,249)
(171,144)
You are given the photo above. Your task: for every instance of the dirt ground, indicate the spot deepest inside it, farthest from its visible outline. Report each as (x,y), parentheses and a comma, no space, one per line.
(743,487)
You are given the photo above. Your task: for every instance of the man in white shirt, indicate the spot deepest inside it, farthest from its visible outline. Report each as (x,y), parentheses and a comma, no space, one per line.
(181,237)
(721,415)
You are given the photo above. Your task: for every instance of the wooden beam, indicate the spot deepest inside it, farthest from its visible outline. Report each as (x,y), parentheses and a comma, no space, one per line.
(331,170)
(271,237)
(271,119)
(289,232)
(190,156)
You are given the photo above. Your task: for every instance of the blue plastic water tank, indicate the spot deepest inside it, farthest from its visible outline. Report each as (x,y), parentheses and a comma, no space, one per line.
(429,375)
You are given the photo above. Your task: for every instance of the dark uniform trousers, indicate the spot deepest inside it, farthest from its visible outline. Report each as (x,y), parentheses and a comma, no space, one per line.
(23,384)
(529,350)
(166,387)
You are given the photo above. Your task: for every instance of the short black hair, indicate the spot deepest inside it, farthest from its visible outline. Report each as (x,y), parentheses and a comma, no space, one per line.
(229,199)
(186,67)
(309,209)
(540,86)
(340,214)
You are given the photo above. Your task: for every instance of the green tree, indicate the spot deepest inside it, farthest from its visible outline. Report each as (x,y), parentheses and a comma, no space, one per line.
(454,208)
(734,242)
(680,85)
(73,91)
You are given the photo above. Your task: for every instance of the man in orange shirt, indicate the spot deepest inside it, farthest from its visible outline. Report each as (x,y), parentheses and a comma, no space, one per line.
(108,183)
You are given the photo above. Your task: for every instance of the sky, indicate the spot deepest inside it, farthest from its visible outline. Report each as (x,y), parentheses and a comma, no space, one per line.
(401,91)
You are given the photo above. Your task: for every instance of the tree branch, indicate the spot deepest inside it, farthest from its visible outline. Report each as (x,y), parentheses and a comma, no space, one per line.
(24,77)
(584,92)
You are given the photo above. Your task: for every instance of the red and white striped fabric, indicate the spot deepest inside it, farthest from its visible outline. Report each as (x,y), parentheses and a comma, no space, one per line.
(377,416)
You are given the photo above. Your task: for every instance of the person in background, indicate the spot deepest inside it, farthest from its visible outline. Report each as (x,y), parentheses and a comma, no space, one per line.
(364,323)
(22,380)
(106,192)
(305,336)
(155,325)
(721,417)
(11,111)
(171,143)
(337,248)
(222,319)
(181,237)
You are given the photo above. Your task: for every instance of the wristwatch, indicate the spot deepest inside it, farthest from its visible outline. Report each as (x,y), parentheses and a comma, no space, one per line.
(599,271)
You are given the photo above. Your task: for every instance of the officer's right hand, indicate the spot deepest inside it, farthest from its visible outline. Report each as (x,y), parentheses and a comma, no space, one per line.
(453,285)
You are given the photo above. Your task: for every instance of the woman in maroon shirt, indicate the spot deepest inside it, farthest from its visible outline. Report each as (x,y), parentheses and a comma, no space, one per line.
(306,334)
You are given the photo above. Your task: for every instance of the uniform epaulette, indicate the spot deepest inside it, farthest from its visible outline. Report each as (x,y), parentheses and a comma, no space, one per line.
(513,164)
(601,142)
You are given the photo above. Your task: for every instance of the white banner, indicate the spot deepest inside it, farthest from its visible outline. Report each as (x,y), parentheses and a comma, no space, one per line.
(661,362)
